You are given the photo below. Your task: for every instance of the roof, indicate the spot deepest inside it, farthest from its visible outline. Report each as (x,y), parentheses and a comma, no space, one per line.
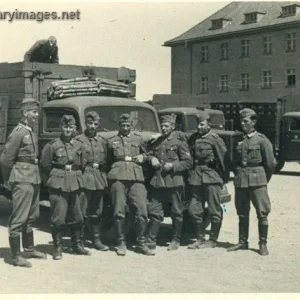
(88,101)
(292,114)
(188,110)
(235,12)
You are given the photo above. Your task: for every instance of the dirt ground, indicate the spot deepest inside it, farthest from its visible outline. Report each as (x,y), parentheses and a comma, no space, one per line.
(184,271)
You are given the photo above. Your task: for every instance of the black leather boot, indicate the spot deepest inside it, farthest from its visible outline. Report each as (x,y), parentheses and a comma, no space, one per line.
(57,244)
(176,235)
(214,234)
(152,233)
(243,237)
(120,230)
(200,236)
(95,228)
(28,246)
(263,235)
(76,241)
(142,247)
(17,259)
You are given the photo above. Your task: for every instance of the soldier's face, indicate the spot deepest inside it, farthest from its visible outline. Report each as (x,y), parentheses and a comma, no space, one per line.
(167,128)
(92,126)
(67,130)
(203,127)
(125,128)
(247,124)
(31,116)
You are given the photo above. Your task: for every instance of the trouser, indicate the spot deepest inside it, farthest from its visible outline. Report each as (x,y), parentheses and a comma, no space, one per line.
(260,200)
(210,193)
(65,204)
(92,203)
(25,208)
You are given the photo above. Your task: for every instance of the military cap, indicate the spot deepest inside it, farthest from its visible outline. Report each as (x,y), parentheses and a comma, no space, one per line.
(125,118)
(29,104)
(202,115)
(247,112)
(68,120)
(52,39)
(92,115)
(168,119)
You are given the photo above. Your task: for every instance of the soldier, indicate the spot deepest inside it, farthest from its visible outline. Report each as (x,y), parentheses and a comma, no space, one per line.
(170,157)
(43,51)
(19,165)
(254,165)
(62,163)
(209,172)
(94,177)
(126,152)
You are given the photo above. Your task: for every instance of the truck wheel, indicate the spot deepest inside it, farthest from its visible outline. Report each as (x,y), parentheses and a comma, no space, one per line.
(279,166)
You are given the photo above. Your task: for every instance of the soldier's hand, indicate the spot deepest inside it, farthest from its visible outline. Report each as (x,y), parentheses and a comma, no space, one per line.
(168,167)
(155,162)
(139,158)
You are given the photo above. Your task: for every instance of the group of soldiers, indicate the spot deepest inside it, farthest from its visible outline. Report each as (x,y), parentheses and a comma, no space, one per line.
(78,170)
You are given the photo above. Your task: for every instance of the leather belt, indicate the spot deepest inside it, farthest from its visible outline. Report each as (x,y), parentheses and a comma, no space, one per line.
(67,167)
(33,161)
(250,164)
(93,165)
(126,158)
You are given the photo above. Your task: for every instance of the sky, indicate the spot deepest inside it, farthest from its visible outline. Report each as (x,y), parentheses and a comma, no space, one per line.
(110,34)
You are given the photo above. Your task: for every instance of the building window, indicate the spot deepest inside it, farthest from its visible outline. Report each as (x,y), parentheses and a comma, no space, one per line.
(267,40)
(204,54)
(251,17)
(291,77)
(244,81)
(216,24)
(224,83)
(245,48)
(267,79)
(291,41)
(289,10)
(224,51)
(204,85)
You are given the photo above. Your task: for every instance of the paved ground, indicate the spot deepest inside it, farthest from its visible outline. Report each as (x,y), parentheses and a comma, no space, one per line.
(181,271)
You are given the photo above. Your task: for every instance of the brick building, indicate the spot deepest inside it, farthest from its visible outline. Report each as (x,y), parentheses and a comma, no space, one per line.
(245,51)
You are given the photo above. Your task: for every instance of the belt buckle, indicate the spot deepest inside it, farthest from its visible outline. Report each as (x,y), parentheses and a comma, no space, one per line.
(36,161)
(68,167)
(95,165)
(244,163)
(128,158)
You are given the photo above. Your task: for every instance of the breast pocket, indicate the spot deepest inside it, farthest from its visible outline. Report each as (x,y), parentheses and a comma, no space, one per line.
(60,156)
(117,150)
(135,149)
(28,147)
(171,152)
(254,152)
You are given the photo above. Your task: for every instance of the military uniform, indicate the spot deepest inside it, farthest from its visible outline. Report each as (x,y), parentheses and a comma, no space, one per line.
(62,165)
(94,183)
(127,182)
(254,164)
(168,185)
(209,172)
(19,166)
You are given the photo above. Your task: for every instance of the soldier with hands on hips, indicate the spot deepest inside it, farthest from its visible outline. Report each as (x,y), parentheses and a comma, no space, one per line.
(126,153)
(62,164)
(254,163)
(19,166)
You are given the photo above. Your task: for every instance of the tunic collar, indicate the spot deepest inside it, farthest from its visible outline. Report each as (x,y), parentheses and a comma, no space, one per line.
(251,134)
(25,126)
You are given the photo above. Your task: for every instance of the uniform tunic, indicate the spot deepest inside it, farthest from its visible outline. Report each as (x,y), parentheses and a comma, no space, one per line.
(64,185)
(94,175)
(210,170)
(254,164)
(168,186)
(126,176)
(21,174)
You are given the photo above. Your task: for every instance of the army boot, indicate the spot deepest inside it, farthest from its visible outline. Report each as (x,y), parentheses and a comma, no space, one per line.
(243,237)
(263,234)
(57,244)
(95,227)
(17,259)
(28,246)
(214,234)
(76,241)
(120,229)
(176,235)
(152,233)
(200,236)
(142,247)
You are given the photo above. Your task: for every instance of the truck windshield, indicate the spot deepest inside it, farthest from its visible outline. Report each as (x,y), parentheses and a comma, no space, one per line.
(143,119)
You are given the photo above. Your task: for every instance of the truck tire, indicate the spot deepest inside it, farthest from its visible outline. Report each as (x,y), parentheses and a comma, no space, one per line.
(279,166)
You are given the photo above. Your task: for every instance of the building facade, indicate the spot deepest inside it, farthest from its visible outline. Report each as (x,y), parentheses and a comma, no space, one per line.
(247,51)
